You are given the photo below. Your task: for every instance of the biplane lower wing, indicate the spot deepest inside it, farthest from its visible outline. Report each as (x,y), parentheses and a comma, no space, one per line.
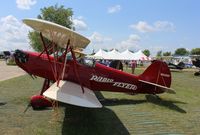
(165,89)
(71,93)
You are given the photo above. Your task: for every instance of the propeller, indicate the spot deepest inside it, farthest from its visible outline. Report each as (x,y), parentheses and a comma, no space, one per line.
(21,56)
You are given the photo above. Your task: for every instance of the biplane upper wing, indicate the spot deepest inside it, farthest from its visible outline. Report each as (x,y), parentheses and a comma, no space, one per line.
(71,93)
(57,33)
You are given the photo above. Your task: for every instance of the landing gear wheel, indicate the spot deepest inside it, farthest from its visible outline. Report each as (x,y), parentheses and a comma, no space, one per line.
(40,102)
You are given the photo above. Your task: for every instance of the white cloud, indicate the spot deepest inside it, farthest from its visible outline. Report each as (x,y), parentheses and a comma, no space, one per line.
(13,34)
(164,26)
(131,43)
(114,9)
(79,24)
(144,27)
(25,4)
(98,38)
(99,41)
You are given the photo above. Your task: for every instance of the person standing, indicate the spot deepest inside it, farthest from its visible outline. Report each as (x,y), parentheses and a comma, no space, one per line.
(133,66)
(126,64)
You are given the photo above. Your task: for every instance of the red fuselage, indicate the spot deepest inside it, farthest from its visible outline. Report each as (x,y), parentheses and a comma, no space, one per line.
(97,77)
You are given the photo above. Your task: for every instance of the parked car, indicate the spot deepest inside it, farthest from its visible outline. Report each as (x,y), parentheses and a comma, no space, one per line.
(5,54)
(8,57)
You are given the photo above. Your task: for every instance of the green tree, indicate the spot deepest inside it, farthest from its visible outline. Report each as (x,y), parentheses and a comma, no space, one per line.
(131,51)
(113,49)
(106,50)
(146,52)
(56,14)
(195,51)
(181,51)
(159,54)
(167,54)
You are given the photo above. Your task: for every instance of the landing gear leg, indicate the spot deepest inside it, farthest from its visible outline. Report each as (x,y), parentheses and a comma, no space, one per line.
(45,86)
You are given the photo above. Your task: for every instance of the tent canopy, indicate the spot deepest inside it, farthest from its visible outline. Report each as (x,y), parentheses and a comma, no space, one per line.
(113,55)
(140,56)
(100,54)
(126,55)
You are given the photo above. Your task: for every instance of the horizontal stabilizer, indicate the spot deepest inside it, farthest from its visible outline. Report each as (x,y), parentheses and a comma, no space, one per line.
(166,89)
(71,93)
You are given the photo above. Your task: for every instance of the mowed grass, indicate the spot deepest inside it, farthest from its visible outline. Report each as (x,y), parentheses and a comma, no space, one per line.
(122,113)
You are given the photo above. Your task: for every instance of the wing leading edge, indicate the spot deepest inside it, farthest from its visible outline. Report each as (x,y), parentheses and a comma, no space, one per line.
(57,33)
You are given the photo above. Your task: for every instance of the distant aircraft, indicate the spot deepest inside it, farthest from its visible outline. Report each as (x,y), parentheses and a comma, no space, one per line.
(75,78)
(197,64)
(179,66)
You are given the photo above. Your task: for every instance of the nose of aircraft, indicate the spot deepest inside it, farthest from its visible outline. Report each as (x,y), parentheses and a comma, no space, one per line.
(21,56)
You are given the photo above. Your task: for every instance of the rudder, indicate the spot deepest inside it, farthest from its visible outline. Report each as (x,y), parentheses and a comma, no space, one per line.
(158,73)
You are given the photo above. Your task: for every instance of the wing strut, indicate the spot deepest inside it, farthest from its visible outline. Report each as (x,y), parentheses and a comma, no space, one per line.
(76,69)
(64,64)
(45,48)
(48,46)
(57,77)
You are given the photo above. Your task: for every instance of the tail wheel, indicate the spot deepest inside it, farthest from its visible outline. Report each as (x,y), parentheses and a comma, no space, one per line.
(197,73)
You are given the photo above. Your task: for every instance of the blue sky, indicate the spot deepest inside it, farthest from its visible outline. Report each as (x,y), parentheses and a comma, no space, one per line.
(121,24)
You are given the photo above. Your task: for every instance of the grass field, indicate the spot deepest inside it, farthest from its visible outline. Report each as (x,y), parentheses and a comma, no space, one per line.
(177,114)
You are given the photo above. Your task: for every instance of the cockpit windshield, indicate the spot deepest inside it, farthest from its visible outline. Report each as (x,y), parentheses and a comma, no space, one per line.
(87,62)
(80,59)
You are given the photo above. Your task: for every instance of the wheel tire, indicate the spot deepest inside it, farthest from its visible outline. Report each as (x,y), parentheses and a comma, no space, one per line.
(197,73)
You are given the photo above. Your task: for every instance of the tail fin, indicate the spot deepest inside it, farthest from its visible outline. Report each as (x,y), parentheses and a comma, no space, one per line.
(157,74)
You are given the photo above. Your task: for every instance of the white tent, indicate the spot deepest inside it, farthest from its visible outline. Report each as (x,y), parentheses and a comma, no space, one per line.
(140,56)
(100,54)
(127,55)
(113,55)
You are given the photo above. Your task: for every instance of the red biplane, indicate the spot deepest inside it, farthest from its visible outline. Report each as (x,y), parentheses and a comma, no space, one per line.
(74,78)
